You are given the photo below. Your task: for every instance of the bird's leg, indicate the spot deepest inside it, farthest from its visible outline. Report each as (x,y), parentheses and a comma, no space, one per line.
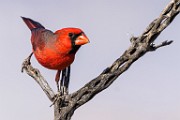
(57,79)
(63,74)
(67,78)
(62,90)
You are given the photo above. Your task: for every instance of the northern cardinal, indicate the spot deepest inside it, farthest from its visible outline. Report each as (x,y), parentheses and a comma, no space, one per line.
(55,50)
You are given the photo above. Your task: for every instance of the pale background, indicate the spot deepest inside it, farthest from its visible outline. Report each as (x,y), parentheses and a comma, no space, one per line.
(149,90)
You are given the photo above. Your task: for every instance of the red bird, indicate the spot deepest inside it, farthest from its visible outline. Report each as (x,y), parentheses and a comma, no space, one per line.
(55,50)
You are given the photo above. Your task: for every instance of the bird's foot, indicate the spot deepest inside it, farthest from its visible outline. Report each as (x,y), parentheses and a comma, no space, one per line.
(63,90)
(60,100)
(56,98)
(60,96)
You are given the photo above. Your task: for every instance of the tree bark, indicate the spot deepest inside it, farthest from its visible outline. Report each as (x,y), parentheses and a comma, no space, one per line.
(65,105)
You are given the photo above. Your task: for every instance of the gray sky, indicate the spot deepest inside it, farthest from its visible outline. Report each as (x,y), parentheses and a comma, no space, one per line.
(149,90)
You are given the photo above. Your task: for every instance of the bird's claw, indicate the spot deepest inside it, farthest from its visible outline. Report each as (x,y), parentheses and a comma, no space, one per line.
(60,98)
(63,90)
(56,98)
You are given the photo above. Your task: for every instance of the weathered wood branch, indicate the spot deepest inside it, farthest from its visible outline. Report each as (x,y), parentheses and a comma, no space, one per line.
(36,75)
(64,106)
(140,45)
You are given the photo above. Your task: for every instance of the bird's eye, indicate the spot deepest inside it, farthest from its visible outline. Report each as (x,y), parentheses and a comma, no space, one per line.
(71,35)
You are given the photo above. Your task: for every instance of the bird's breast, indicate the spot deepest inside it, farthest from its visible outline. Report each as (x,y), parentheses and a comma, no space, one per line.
(51,59)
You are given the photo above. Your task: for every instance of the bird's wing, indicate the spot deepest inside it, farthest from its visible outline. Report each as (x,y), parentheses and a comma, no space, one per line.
(41,37)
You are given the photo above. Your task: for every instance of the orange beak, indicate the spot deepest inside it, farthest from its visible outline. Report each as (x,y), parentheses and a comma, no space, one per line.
(81,40)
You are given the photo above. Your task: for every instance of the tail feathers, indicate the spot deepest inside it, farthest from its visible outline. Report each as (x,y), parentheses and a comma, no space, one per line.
(31,23)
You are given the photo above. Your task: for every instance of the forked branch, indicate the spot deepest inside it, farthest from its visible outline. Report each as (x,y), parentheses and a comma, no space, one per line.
(65,105)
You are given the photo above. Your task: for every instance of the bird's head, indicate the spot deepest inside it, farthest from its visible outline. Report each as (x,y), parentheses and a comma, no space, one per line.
(71,39)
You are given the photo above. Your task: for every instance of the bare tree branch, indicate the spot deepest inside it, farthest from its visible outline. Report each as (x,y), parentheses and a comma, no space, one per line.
(36,75)
(153,47)
(64,106)
(140,45)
